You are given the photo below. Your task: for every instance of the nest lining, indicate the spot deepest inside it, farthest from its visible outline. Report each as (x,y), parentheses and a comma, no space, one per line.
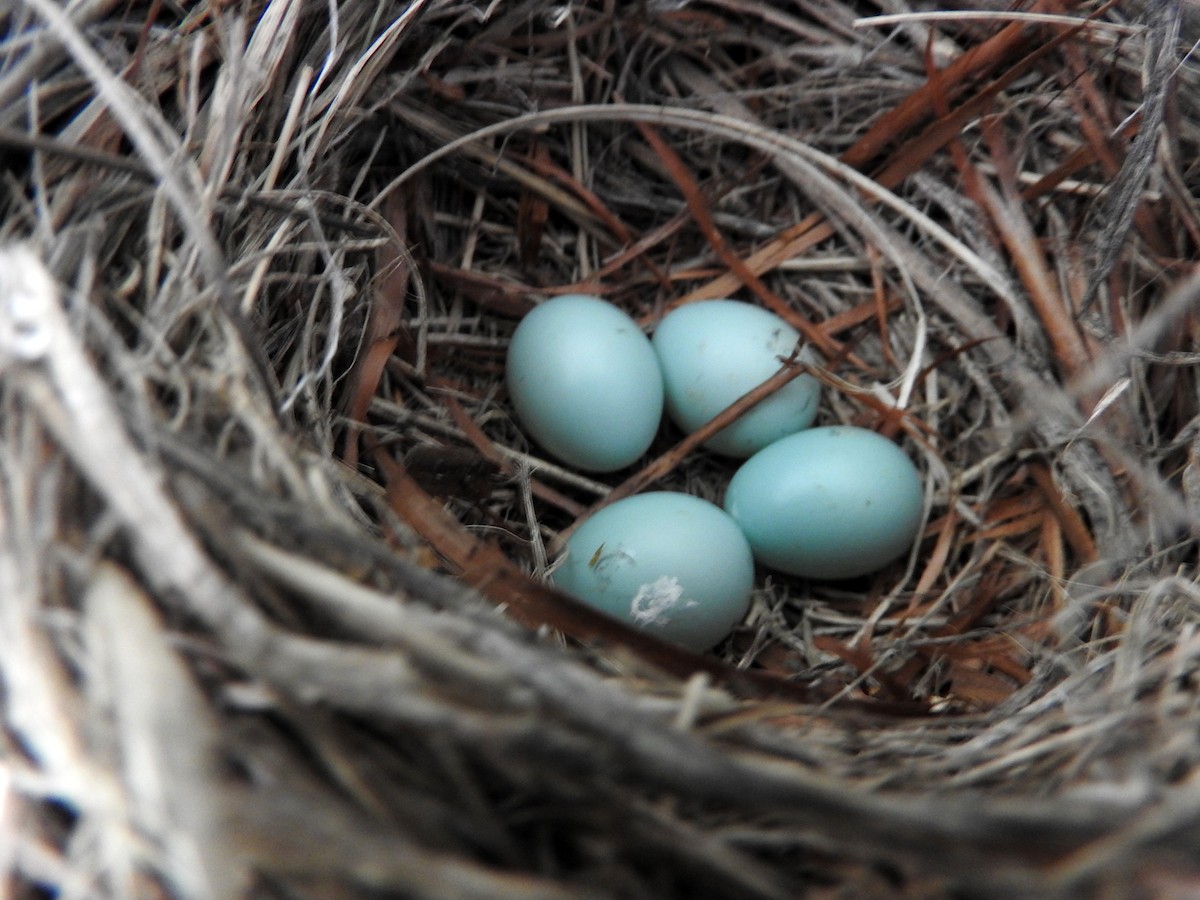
(262,460)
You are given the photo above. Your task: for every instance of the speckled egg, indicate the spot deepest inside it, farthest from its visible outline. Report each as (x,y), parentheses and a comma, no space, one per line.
(585,382)
(714,351)
(670,564)
(831,502)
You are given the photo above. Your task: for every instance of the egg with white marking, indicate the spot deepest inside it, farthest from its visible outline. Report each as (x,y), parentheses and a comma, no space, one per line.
(670,564)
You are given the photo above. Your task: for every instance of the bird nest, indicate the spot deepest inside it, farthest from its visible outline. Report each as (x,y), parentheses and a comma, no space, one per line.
(274,614)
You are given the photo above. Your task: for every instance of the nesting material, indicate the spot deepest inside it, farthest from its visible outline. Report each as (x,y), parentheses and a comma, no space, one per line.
(276,615)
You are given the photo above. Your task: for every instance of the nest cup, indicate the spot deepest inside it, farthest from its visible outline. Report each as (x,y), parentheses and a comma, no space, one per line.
(274,611)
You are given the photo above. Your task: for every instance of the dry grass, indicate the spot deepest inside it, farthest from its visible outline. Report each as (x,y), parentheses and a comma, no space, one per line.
(272,619)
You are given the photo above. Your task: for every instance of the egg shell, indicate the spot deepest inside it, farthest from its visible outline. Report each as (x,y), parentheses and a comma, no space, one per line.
(714,351)
(585,382)
(832,502)
(670,564)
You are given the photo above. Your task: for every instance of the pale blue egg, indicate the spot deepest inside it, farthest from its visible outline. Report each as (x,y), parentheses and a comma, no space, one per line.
(671,564)
(585,382)
(831,502)
(713,352)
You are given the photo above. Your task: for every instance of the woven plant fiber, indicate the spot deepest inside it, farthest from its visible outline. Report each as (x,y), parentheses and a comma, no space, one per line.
(276,617)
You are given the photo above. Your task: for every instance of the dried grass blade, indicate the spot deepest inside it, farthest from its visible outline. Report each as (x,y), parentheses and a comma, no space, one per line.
(1121,209)
(935,565)
(1016,231)
(698,207)
(487,449)
(1053,552)
(977,63)
(532,214)
(1010,529)
(427,122)
(385,325)
(1077,161)
(542,163)
(904,160)
(41,57)
(971,685)
(163,733)
(502,296)
(1074,529)
(362,73)
(868,667)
